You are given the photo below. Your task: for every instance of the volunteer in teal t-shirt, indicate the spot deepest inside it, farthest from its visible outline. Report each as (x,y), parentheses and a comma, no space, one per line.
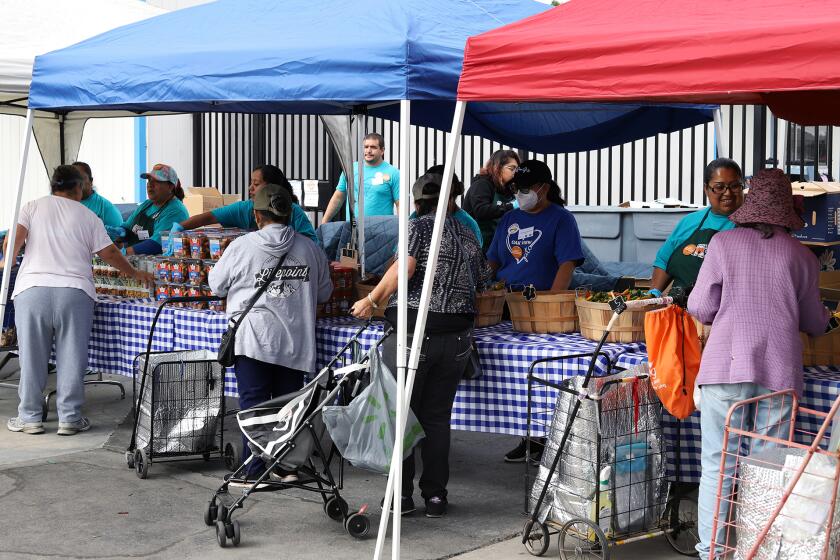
(156,215)
(681,256)
(241,214)
(94,201)
(382,183)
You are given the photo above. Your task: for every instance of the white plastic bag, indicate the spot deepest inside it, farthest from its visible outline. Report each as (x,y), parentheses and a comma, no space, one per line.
(364,431)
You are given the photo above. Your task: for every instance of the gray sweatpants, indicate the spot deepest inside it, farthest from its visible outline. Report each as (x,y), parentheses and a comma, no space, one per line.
(44,316)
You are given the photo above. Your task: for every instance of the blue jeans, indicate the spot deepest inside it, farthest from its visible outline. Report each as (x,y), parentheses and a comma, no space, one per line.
(716,400)
(258,382)
(43,316)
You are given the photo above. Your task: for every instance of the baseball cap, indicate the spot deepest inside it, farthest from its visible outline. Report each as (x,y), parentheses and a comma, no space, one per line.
(532,172)
(427,186)
(161,172)
(275,199)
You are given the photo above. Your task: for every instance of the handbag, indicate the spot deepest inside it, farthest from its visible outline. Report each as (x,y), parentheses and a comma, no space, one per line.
(473,368)
(227,347)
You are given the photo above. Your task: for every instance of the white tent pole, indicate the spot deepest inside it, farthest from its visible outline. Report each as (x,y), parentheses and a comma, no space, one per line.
(360,219)
(782,146)
(7,270)
(351,183)
(720,139)
(434,250)
(395,477)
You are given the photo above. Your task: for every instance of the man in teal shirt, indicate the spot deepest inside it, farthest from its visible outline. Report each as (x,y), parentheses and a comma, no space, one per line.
(94,201)
(241,214)
(382,183)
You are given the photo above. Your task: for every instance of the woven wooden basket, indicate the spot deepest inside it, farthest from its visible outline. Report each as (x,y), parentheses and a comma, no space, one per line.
(549,312)
(365,287)
(489,307)
(595,316)
(821,350)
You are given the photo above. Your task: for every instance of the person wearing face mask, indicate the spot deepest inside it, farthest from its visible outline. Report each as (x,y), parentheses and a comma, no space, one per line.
(537,244)
(489,196)
(680,257)
(241,214)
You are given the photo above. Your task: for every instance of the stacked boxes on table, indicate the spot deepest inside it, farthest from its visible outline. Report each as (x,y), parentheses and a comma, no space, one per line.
(109,282)
(194,255)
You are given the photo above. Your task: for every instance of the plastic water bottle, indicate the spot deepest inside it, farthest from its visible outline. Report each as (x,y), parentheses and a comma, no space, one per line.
(604,516)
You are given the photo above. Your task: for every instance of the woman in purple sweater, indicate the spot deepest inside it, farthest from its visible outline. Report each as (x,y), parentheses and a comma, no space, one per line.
(758,288)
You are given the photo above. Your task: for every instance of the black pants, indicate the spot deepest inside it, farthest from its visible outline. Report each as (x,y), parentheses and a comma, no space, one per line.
(442,362)
(258,382)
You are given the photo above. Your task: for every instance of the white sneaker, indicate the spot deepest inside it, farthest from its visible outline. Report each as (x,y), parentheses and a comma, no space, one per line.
(73,428)
(15,424)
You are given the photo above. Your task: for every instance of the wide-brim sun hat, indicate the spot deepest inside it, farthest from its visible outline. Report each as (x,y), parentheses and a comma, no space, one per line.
(770,200)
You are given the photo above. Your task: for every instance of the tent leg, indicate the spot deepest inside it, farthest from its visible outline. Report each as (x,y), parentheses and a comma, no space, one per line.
(360,143)
(7,269)
(63,156)
(395,476)
(720,138)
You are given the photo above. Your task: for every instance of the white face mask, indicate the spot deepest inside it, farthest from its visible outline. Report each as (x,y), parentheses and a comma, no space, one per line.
(527,201)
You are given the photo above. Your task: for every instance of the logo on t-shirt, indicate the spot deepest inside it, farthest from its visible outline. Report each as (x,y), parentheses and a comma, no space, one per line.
(698,250)
(287,280)
(520,241)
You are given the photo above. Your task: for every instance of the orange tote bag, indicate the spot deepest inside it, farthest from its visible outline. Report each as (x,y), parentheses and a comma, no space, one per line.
(674,358)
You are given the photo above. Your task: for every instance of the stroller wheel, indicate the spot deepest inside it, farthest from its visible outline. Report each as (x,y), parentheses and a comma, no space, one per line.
(129,459)
(141,463)
(235,538)
(682,525)
(221,513)
(537,539)
(221,534)
(358,525)
(581,538)
(210,513)
(335,508)
(232,457)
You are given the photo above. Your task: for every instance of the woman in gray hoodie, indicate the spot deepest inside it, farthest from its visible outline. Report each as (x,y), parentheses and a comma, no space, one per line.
(275,344)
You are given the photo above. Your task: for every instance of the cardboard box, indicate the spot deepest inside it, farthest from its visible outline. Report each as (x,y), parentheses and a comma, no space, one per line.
(199,200)
(231,198)
(822,211)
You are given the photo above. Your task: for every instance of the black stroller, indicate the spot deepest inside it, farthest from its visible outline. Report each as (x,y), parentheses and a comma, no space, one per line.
(289,432)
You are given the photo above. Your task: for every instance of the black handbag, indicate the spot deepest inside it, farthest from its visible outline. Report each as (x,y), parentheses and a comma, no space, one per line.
(227,347)
(472,370)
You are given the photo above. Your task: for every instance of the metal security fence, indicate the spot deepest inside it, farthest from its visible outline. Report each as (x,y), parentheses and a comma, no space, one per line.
(227,147)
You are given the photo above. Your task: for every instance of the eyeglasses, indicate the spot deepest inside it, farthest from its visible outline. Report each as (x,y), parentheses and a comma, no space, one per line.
(512,168)
(718,188)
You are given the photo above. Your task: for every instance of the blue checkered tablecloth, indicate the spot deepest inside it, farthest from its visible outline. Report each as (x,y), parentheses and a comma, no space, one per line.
(821,389)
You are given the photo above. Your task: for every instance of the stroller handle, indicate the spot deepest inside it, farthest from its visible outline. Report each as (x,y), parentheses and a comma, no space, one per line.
(636,303)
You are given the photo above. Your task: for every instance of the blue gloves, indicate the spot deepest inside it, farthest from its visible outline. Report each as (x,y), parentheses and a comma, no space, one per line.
(115,232)
(169,250)
(655,293)
(122,250)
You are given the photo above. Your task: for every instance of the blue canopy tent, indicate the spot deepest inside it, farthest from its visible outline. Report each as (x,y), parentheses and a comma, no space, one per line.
(329,57)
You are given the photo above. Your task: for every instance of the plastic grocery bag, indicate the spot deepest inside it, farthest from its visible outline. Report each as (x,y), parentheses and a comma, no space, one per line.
(364,431)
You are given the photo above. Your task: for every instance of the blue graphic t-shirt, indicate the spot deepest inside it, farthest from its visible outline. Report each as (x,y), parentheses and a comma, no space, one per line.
(531,247)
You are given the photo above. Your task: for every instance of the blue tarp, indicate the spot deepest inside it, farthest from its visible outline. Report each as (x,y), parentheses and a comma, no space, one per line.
(324,57)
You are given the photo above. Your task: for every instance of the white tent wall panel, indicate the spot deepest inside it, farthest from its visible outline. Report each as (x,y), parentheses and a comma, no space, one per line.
(108,147)
(169,140)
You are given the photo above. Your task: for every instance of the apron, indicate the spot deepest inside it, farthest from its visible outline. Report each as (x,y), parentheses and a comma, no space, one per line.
(686,260)
(144,225)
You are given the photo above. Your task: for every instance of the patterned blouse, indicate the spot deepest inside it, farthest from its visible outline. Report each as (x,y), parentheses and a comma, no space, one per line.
(462,269)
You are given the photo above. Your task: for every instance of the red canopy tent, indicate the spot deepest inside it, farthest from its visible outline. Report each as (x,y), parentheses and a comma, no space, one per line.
(780,53)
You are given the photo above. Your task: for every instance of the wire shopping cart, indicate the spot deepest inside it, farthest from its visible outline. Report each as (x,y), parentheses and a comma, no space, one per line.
(602,482)
(180,405)
(777,493)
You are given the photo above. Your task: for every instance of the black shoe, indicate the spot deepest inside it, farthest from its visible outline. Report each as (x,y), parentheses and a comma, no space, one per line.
(436,506)
(407,505)
(517,455)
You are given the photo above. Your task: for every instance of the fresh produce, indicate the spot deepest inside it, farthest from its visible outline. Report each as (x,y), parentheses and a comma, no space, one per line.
(606,297)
